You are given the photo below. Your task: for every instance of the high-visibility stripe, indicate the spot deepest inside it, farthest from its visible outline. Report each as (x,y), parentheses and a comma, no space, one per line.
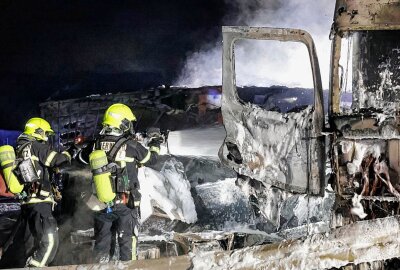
(50,158)
(155,149)
(44,193)
(134,255)
(129,159)
(5,166)
(37,200)
(67,154)
(49,250)
(7,155)
(146,158)
(33,163)
(123,164)
(33,262)
(97,163)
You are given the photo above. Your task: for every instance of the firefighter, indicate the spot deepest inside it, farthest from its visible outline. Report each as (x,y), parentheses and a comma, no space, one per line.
(114,163)
(36,167)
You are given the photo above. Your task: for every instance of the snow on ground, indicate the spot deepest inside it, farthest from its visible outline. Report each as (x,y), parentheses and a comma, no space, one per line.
(168,190)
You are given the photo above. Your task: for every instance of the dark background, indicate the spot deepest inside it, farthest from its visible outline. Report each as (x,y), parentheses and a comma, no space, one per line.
(64,49)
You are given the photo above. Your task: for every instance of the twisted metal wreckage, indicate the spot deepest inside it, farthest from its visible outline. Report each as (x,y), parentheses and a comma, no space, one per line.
(362,138)
(327,192)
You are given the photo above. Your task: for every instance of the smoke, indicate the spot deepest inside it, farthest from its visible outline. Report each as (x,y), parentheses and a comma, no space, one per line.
(203,67)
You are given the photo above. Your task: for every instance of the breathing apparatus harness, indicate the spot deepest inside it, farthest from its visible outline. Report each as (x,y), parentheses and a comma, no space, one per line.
(25,169)
(28,174)
(111,180)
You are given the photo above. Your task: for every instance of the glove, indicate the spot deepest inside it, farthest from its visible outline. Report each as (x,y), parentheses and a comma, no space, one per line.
(155,141)
(155,138)
(153,132)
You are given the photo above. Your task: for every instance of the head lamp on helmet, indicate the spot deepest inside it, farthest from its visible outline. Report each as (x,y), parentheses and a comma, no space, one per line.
(119,116)
(38,128)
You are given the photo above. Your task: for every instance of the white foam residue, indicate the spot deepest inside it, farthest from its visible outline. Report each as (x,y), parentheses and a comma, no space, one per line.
(362,149)
(229,196)
(381,117)
(347,146)
(208,260)
(169,190)
(155,238)
(376,99)
(265,140)
(308,206)
(240,134)
(302,209)
(357,208)
(386,78)
(320,251)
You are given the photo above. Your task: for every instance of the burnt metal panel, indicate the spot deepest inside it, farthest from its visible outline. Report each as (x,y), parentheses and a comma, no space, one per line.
(334,81)
(284,150)
(367,14)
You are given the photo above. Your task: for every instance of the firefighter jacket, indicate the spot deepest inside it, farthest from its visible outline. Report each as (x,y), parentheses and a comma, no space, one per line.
(44,159)
(128,158)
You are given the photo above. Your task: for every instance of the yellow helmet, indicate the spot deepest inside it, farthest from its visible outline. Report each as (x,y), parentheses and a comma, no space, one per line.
(38,128)
(119,116)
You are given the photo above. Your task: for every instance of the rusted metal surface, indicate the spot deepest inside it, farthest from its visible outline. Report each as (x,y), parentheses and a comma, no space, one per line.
(359,15)
(334,105)
(367,126)
(367,15)
(266,140)
(171,263)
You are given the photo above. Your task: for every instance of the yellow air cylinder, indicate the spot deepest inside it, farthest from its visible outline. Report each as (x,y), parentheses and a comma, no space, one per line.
(7,161)
(102,179)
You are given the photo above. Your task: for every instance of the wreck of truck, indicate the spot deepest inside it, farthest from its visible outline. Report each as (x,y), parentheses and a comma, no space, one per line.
(323,188)
(307,173)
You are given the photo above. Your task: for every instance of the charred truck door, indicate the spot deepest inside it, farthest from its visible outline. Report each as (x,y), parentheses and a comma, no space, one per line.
(283,150)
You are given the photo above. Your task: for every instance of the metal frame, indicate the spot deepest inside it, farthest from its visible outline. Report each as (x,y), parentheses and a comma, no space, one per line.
(231,102)
(233,33)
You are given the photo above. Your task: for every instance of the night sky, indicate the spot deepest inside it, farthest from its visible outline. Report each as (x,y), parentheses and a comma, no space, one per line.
(64,49)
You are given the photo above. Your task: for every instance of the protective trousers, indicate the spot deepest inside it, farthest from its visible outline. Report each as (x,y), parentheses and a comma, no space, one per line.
(43,227)
(8,221)
(120,222)
(9,225)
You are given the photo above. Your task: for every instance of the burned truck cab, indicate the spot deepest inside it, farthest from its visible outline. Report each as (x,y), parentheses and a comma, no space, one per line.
(364,107)
(310,166)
